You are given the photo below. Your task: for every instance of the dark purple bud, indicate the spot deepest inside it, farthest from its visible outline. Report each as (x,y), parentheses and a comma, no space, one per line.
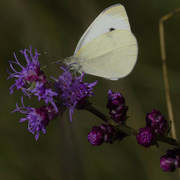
(96,136)
(103,127)
(109,133)
(119,115)
(177,158)
(116,104)
(115,100)
(175,154)
(156,121)
(146,137)
(167,163)
(103,133)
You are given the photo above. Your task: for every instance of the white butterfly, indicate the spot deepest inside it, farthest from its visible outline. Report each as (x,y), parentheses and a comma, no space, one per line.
(108,48)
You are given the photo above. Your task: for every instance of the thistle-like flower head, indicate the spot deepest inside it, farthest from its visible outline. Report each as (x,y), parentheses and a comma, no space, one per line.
(72,91)
(31,79)
(38,118)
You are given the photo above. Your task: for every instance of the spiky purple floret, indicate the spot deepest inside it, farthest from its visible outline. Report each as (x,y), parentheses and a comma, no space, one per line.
(118,109)
(146,137)
(73,92)
(156,121)
(31,79)
(38,118)
(44,93)
(29,74)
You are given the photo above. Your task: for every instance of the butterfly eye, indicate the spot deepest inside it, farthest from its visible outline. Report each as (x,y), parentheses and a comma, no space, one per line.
(111,29)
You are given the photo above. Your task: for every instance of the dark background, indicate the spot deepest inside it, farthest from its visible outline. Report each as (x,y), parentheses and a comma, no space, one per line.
(64,153)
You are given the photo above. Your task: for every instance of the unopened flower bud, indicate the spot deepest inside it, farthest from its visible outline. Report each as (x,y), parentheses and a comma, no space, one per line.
(116,104)
(171,160)
(156,121)
(146,137)
(103,133)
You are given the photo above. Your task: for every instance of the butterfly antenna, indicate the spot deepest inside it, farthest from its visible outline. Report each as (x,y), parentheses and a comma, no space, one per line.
(52,62)
(51,54)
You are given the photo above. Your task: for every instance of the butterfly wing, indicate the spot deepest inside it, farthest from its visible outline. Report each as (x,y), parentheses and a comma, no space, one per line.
(112,18)
(111,55)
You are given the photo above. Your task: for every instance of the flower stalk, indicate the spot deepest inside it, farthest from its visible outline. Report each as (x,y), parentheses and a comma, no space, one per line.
(128,130)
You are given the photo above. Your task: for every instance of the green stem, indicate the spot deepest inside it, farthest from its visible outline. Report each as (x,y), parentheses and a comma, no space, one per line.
(128,130)
(96,112)
(168,140)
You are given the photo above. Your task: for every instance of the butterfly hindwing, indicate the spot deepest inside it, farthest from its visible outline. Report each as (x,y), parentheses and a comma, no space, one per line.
(112,55)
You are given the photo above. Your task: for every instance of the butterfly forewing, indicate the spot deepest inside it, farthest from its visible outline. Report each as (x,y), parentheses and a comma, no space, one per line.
(110,19)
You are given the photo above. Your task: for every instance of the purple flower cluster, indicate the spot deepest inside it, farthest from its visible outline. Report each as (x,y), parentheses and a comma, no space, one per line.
(117,107)
(73,92)
(70,92)
(171,160)
(38,118)
(31,79)
(155,124)
(28,75)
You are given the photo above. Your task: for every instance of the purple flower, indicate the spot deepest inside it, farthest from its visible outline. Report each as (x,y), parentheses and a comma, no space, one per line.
(171,160)
(156,121)
(44,93)
(73,92)
(146,137)
(38,118)
(31,79)
(29,75)
(103,133)
(116,104)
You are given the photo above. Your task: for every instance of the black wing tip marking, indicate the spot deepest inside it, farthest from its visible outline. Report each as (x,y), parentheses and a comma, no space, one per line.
(112,29)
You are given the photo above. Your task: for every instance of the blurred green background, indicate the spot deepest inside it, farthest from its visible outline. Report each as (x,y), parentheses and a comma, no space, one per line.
(64,153)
